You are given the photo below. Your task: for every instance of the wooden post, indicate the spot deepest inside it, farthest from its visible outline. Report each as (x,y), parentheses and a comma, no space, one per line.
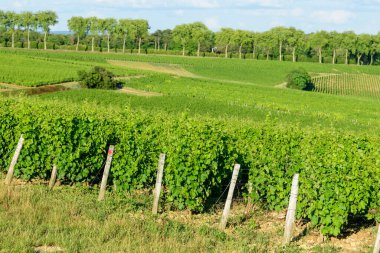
(376,248)
(157,189)
(249,202)
(290,216)
(53,177)
(11,169)
(105,173)
(227,206)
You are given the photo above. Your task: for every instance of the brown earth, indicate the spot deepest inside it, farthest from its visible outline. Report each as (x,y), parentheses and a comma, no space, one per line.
(171,69)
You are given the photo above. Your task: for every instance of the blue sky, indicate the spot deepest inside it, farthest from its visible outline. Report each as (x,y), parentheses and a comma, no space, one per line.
(257,15)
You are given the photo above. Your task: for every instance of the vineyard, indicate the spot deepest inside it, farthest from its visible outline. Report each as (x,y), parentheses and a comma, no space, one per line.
(200,156)
(263,73)
(228,112)
(349,84)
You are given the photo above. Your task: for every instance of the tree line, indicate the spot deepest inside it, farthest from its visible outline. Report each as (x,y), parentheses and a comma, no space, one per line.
(282,43)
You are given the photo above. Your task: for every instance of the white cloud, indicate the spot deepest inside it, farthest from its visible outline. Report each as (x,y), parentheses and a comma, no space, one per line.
(212,23)
(202,4)
(265,3)
(338,17)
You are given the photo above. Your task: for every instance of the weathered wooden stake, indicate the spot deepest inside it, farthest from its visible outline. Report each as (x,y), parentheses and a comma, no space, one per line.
(107,167)
(290,216)
(53,177)
(157,189)
(227,206)
(376,249)
(249,202)
(11,169)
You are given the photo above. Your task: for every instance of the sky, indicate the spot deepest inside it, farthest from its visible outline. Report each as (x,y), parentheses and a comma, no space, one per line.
(255,15)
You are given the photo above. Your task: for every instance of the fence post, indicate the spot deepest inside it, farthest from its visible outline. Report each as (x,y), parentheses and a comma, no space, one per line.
(227,206)
(376,248)
(11,169)
(157,189)
(249,202)
(53,177)
(290,216)
(105,173)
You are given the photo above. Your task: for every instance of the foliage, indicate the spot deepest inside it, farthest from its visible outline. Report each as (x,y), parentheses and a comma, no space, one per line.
(338,170)
(97,78)
(299,79)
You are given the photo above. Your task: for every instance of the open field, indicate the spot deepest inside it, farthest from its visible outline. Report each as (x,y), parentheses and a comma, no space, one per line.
(206,115)
(268,73)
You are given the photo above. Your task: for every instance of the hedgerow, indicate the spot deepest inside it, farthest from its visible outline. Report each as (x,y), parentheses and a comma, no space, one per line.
(339,171)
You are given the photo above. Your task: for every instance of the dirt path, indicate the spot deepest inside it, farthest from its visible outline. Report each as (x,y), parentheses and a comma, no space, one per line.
(141,93)
(14,89)
(161,68)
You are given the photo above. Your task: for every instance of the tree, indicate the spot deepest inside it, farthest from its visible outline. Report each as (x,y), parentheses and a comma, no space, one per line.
(45,19)
(124,29)
(375,47)
(295,40)
(362,46)
(254,39)
(157,39)
(266,42)
(225,38)
(280,35)
(319,41)
(241,38)
(348,43)
(139,30)
(167,36)
(335,42)
(93,24)
(108,27)
(29,21)
(11,21)
(182,35)
(79,26)
(200,34)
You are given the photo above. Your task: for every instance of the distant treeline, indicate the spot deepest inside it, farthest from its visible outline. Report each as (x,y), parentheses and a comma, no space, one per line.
(31,30)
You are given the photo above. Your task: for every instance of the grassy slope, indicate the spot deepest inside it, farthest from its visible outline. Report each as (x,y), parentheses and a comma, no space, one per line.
(242,102)
(211,97)
(256,72)
(28,69)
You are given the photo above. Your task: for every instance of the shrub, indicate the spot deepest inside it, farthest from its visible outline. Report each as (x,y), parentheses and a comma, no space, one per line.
(299,79)
(97,78)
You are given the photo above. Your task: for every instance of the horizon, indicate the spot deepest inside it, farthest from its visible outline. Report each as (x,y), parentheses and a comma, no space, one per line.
(254,15)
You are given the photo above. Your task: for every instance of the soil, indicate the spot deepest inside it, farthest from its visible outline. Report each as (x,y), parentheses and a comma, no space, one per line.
(161,68)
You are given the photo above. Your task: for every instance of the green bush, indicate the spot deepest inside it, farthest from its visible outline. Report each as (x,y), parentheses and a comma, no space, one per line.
(97,78)
(299,79)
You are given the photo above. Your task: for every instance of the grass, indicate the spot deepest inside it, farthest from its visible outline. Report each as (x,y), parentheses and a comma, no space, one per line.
(72,219)
(242,102)
(258,72)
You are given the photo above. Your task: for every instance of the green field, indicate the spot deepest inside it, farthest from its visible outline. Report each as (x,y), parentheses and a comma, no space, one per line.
(206,114)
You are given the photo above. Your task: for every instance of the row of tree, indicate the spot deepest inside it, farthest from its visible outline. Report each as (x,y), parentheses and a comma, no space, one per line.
(28,21)
(197,37)
(93,26)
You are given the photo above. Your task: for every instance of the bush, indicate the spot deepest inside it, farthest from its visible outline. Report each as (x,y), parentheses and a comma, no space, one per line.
(299,79)
(97,78)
